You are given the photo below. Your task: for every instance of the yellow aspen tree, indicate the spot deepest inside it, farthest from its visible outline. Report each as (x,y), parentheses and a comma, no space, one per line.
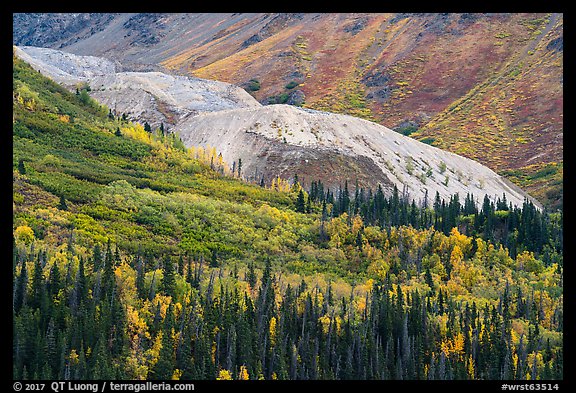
(281,184)
(456,261)
(273,331)
(325,321)
(470,369)
(454,346)
(243,374)
(460,240)
(126,282)
(357,224)
(456,256)
(24,234)
(192,152)
(482,250)
(73,358)
(220,162)
(213,154)
(200,153)
(154,352)
(224,375)
(458,344)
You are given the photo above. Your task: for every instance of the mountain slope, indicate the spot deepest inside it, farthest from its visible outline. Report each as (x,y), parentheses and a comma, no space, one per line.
(153,96)
(133,260)
(486,86)
(278,140)
(404,162)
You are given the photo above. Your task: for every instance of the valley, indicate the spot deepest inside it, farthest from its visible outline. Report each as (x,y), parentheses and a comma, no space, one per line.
(282,197)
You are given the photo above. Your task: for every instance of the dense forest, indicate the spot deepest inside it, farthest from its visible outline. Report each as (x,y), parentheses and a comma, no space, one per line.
(135,257)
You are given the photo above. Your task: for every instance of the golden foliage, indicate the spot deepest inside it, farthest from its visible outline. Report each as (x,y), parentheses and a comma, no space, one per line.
(136,326)
(243,374)
(470,368)
(163,301)
(153,352)
(273,331)
(136,131)
(357,225)
(456,257)
(337,228)
(224,375)
(177,374)
(453,346)
(279,184)
(24,234)
(126,282)
(73,358)
(526,261)
(325,322)
(378,266)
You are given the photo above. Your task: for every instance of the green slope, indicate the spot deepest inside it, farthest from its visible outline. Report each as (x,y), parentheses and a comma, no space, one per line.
(139,191)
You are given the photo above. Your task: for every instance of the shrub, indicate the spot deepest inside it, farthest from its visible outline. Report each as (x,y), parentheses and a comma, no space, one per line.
(407,130)
(24,234)
(291,85)
(442,167)
(428,140)
(279,99)
(409,165)
(253,85)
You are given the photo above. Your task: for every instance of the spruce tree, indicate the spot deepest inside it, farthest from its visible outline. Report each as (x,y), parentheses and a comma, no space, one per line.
(108,277)
(21,167)
(53,285)
(97,258)
(169,279)
(300,203)
(251,275)
(214,258)
(20,288)
(37,286)
(62,204)
(140,276)
(429,279)
(345,200)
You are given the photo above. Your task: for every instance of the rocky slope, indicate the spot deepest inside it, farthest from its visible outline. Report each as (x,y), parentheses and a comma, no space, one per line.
(297,134)
(152,96)
(276,139)
(57,29)
(488,86)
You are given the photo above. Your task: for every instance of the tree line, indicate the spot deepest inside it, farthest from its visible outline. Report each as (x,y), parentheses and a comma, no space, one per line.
(518,228)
